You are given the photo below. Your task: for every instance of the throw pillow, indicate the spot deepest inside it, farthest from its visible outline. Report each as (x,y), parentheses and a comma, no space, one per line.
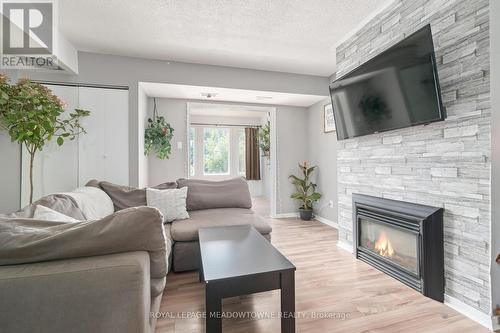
(125,196)
(171,203)
(92,201)
(47,214)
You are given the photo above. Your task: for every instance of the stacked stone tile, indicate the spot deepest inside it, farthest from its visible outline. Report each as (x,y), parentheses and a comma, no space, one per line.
(443,164)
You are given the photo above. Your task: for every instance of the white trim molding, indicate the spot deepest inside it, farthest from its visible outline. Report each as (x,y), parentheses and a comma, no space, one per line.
(328,222)
(345,246)
(285,216)
(468,311)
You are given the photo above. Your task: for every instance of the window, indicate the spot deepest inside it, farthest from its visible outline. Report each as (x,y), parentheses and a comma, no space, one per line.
(216,151)
(192,150)
(241,151)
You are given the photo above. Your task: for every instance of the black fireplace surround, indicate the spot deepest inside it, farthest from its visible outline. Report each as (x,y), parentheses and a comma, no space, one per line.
(403,240)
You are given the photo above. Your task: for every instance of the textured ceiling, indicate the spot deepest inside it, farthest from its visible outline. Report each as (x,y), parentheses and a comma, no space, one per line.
(295,36)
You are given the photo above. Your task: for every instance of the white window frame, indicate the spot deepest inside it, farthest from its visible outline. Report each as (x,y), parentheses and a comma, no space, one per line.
(199,160)
(237,151)
(195,156)
(206,175)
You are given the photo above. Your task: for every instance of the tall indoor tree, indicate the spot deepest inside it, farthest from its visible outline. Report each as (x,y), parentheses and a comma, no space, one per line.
(32,115)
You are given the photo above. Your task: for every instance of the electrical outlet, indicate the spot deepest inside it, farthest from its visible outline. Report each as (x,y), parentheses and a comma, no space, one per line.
(179,145)
(330,203)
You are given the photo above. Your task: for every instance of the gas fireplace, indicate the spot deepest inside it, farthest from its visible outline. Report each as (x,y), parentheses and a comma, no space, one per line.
(402,239)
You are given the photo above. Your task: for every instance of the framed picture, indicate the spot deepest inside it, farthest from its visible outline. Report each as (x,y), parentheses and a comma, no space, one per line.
(329,121)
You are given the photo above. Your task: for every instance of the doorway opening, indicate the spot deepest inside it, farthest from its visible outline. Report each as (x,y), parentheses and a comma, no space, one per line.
(219,146)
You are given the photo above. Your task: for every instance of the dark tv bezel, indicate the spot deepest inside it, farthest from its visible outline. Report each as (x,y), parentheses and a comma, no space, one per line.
(441,109)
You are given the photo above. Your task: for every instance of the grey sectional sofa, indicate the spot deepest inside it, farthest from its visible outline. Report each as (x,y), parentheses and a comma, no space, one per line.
(108,272)
(104,275)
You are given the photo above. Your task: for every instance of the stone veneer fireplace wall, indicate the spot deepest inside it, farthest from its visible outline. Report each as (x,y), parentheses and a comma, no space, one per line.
(445,164)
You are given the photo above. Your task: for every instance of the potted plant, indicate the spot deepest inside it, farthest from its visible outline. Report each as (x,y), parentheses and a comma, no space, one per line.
(158,135)
(31,113)
(306,191)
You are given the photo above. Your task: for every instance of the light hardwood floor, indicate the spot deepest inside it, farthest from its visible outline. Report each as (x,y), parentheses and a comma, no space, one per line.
(329,281)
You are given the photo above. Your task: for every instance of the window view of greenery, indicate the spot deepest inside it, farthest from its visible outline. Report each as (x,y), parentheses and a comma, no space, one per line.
(192,150)
(215,151)
(241,151)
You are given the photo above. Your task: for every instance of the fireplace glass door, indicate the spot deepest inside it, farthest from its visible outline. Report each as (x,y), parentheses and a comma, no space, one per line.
(394,244)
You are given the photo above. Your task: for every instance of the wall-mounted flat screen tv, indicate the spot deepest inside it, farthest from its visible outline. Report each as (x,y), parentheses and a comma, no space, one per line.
(396,89)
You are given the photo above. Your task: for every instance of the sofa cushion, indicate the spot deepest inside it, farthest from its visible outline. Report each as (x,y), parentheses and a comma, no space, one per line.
(204,194)
(125,196)
(79,295)
(186,255)
(187,230)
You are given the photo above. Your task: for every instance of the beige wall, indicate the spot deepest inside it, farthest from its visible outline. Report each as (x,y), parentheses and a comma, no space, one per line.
(292,146)
(322,151)
(174,111)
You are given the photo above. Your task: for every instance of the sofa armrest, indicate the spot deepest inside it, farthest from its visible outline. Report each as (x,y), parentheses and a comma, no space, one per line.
(108,293)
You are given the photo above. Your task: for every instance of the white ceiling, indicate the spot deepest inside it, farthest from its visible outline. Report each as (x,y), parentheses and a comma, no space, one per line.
(295,36)
(166,90)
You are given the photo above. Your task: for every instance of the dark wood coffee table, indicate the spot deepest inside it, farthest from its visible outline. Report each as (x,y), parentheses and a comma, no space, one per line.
(238,260)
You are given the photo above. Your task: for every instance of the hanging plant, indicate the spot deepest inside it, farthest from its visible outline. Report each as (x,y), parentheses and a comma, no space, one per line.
(158,135)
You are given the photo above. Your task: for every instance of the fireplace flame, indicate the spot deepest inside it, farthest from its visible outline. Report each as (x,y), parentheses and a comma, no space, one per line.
(383,246)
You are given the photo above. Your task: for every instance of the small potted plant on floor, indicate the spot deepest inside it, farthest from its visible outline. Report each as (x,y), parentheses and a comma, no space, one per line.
(306,191)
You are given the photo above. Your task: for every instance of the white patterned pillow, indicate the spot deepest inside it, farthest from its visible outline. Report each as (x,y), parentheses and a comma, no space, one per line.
(171,203)
(47,214)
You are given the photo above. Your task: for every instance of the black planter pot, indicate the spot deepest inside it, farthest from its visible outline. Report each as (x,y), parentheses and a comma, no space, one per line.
(305,214)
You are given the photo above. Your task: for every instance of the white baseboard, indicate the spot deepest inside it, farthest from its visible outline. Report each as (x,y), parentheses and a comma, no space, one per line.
(345,246)
(328,222)
(285,216)
(468,311)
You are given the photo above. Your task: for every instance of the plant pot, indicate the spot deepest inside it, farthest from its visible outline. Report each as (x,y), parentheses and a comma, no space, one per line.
(305,214)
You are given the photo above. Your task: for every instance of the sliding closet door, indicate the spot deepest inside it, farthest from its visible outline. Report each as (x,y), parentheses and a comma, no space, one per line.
(55,168)
(103,151)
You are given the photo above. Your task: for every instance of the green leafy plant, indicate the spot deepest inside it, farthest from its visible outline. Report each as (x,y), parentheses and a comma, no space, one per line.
(31,113)
(306,190)
(265,139)
(158,135)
